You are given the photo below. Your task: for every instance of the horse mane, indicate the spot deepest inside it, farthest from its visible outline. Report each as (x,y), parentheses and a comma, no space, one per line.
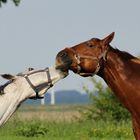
(123,54)
(3,86)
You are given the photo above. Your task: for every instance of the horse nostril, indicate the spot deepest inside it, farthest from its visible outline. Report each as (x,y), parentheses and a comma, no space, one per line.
(62,54)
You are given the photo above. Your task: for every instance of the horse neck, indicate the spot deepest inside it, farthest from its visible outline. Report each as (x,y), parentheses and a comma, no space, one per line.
(114,67)
(117,72)
(10,101)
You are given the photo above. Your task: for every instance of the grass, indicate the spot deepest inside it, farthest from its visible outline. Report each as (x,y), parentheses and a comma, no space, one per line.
(46,138)
(50,108)
(66,130)
(62,129)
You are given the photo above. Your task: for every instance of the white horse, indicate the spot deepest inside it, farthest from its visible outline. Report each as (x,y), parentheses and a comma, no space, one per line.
(30,84)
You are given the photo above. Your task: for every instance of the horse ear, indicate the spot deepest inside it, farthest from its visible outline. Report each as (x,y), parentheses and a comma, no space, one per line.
(8,76)
(108,39)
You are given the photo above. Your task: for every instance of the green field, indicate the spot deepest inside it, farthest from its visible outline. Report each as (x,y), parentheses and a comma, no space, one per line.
(61,123)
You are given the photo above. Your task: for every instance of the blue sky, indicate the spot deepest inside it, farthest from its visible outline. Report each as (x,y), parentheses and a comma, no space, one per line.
(32,34)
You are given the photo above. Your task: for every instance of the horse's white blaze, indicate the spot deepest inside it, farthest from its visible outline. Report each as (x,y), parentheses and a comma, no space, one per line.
(19,90)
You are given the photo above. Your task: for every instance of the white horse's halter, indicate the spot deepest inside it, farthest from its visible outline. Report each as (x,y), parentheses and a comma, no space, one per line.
(39,87)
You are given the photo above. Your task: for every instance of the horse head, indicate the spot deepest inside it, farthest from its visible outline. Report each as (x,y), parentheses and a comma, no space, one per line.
(85,58)
(37,80)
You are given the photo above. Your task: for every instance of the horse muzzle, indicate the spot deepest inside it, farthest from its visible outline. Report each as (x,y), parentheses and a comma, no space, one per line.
(63,61)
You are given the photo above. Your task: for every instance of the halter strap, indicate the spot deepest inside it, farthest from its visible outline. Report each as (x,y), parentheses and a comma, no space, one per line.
(38,88)
(78,59)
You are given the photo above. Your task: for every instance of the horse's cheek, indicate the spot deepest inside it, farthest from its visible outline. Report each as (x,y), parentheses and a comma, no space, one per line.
(90,66)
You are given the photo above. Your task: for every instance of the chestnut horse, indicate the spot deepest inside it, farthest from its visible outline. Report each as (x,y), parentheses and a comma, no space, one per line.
(120,70)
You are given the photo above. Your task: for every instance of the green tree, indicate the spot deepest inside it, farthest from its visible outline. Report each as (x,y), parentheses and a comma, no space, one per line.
(16,2)
(104,104)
